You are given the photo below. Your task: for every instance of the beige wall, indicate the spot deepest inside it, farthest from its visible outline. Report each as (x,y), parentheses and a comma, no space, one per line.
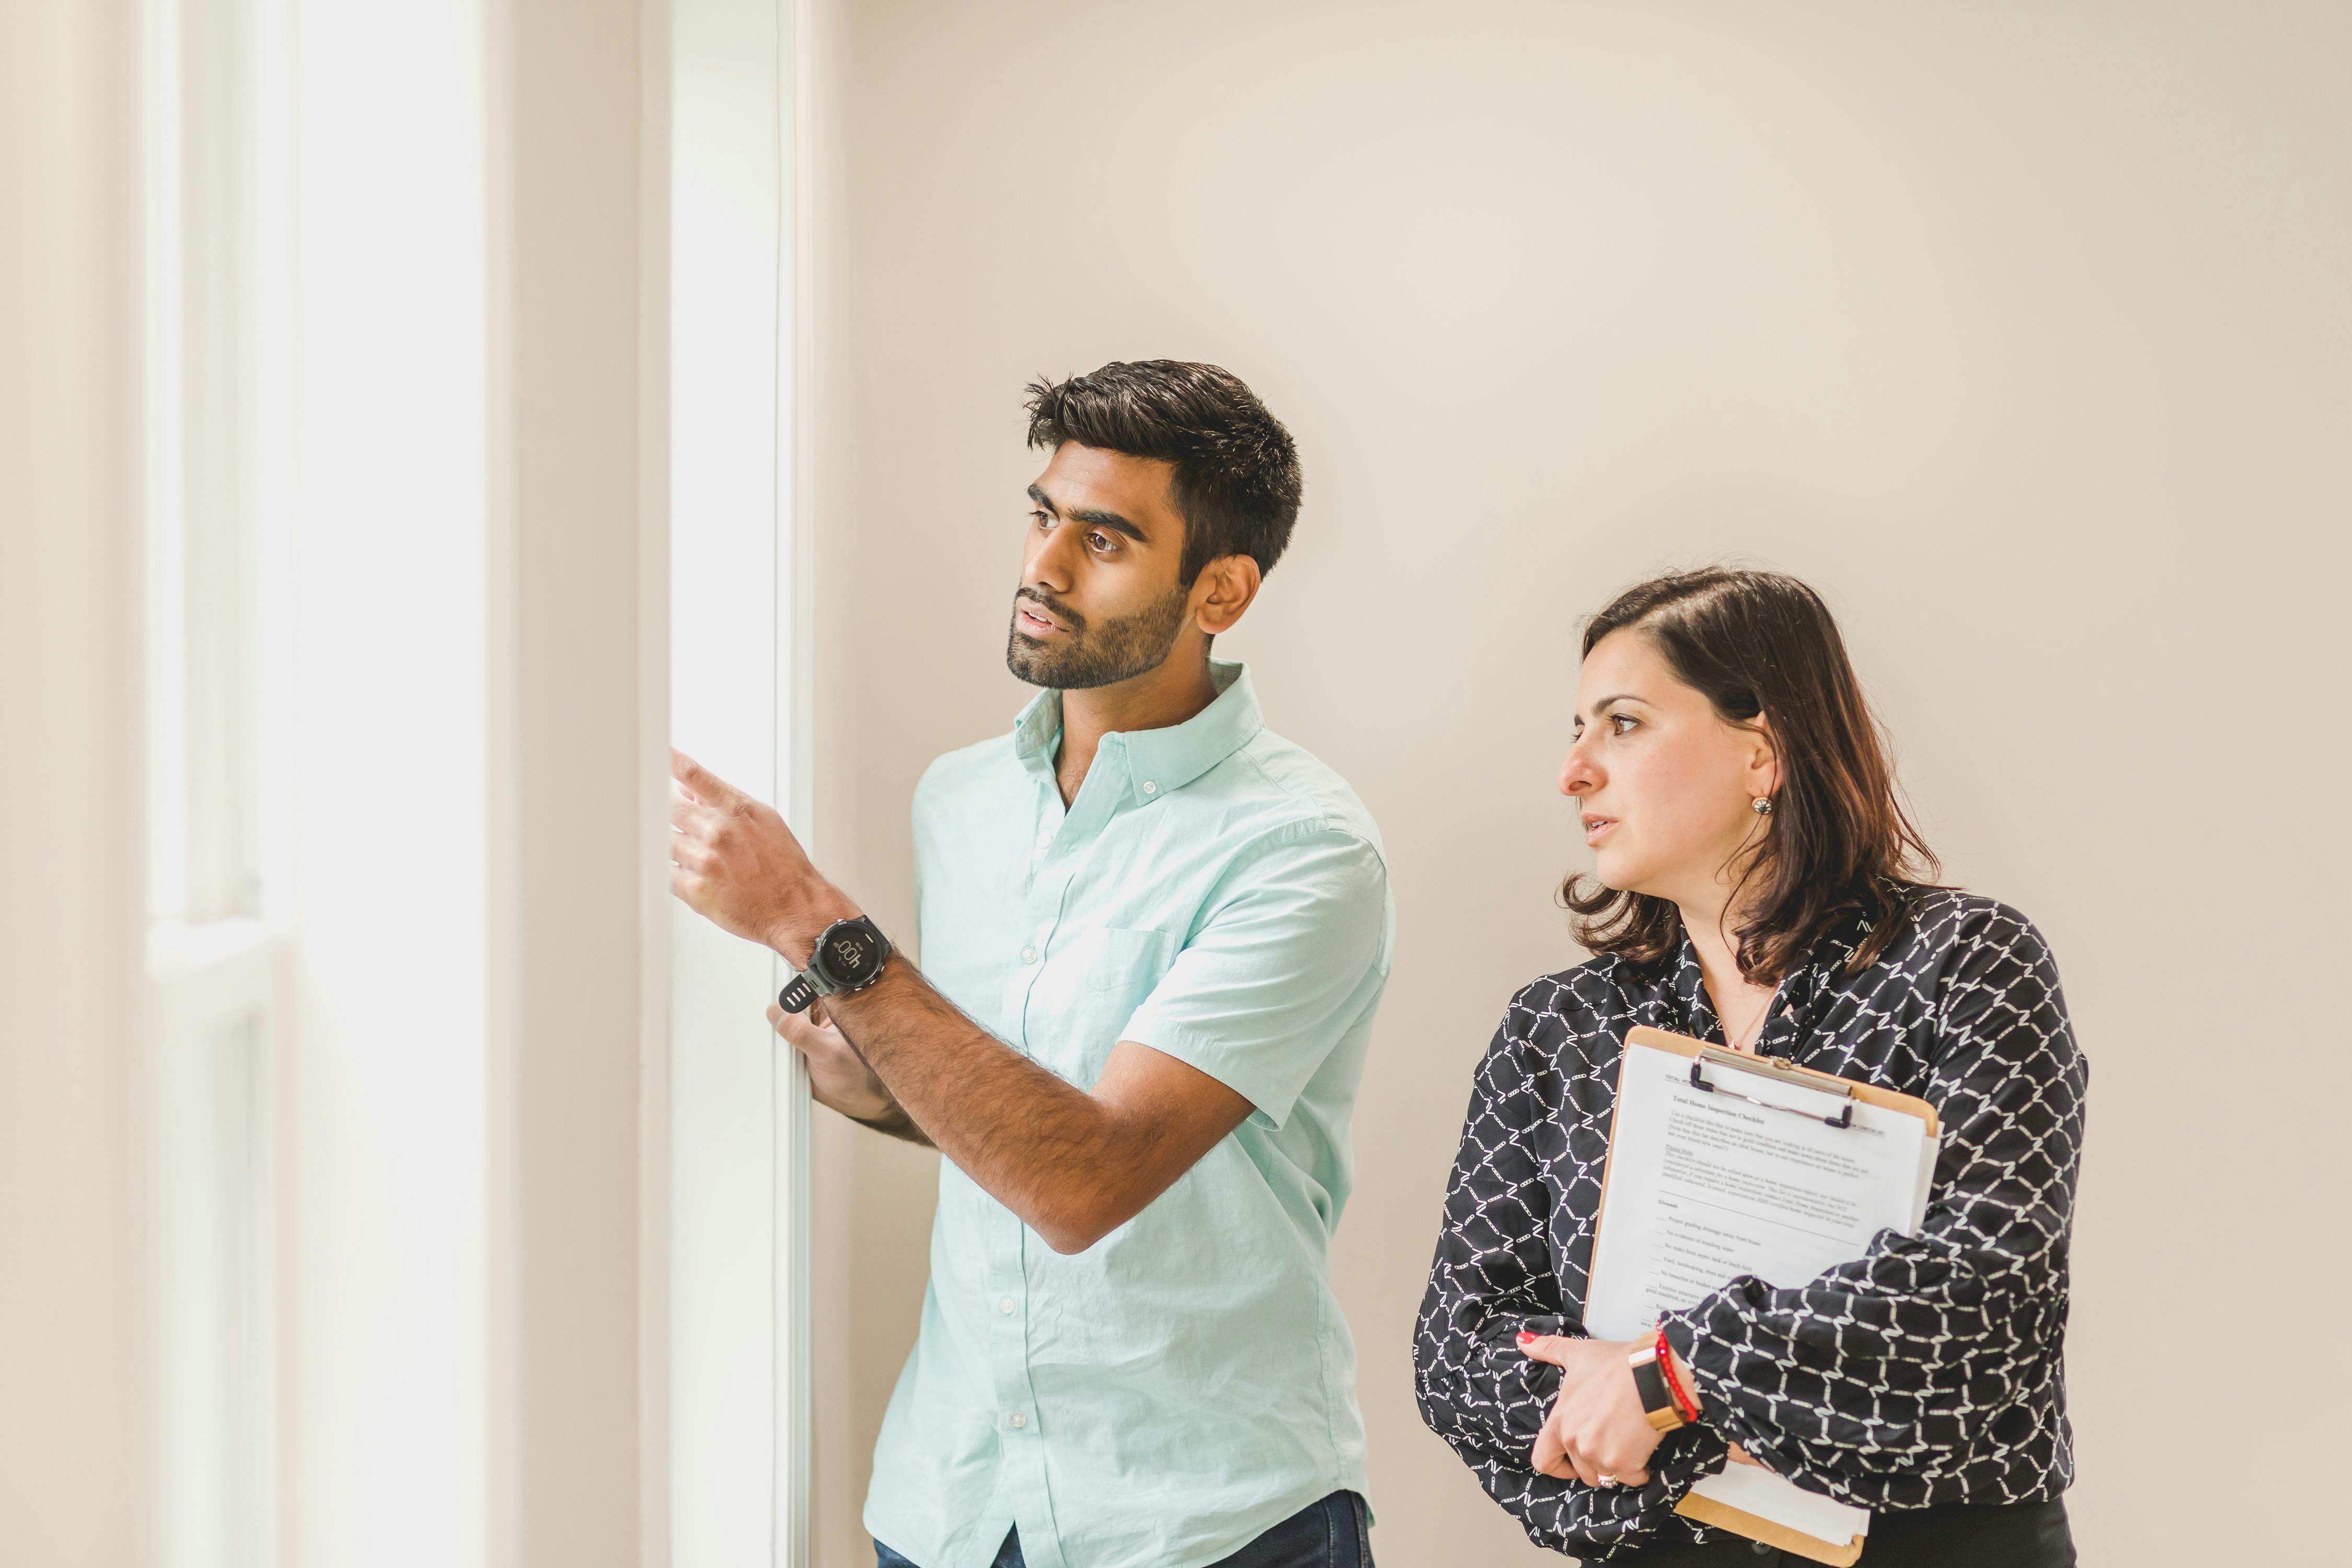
(72,1384)
(2020,331)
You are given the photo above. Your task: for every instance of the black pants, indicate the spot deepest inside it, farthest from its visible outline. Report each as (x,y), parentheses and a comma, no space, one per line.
(2020,1536)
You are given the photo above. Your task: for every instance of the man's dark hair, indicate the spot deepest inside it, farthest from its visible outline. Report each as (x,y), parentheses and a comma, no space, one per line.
(1236,483)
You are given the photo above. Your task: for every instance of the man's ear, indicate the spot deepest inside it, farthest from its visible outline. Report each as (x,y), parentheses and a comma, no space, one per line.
(1225,589)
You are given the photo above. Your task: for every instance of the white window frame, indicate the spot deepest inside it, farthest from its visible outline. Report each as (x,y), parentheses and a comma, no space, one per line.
(213,1040)
(739,1349)
(213,361)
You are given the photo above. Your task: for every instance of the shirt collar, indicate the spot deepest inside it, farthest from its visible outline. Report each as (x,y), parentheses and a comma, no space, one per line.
(1800,992)
(1159,760)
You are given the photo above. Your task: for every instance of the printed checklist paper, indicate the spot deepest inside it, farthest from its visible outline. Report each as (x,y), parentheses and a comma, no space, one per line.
(1721,1166)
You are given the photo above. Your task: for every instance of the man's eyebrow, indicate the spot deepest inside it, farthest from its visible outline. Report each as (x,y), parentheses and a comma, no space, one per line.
(1109,519)
(1091,518)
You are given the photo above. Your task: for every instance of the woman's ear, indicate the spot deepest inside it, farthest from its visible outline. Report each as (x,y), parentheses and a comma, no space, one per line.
(1764,759)
(1225,588)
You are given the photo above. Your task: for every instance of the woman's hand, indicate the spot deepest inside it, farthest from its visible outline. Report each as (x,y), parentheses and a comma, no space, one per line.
(1597,1432)
(838,1076)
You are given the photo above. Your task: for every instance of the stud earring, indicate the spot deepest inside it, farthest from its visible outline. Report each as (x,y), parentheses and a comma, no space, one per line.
(1763,804)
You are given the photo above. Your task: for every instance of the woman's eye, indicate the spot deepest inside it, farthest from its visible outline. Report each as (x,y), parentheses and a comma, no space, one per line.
(1623,723)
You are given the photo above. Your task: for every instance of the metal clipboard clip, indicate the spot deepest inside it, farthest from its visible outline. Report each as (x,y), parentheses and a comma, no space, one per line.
(1772,1068)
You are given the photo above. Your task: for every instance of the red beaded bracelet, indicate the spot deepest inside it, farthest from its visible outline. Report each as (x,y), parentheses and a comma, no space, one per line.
(1683,1401)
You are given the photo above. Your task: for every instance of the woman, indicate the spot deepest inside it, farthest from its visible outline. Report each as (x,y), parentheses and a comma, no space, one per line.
(1758,885)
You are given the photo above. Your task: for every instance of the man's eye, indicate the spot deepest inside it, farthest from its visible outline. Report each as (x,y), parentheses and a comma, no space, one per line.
(1041,519)
(1100,541)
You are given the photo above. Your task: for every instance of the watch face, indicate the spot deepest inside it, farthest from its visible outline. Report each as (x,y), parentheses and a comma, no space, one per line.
(851,956)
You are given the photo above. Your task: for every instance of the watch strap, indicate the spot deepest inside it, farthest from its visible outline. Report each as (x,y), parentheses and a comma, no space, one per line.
(796,997)
(1657,1399)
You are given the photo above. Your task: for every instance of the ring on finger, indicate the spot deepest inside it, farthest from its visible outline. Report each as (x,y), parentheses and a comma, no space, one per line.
(1607,1479)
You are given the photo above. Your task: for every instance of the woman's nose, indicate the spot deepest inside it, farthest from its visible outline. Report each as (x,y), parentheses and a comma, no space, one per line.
(1579,772)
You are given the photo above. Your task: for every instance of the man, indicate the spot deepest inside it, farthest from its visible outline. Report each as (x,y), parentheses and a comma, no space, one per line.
(1153,938)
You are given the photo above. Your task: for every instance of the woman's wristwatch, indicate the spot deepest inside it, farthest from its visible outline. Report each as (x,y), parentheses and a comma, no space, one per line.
(1663,1399)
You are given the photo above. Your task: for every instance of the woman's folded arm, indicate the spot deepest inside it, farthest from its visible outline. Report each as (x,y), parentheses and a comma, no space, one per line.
(1923,1371)
(1492,1278)
(1493,1273)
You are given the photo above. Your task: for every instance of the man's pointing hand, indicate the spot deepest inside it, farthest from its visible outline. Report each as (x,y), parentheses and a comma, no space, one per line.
(734,862)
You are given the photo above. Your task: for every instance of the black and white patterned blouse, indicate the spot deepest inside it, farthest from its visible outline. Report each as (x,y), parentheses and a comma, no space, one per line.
(1926,1372)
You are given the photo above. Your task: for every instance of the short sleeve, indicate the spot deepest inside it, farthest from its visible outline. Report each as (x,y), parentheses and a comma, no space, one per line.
(1289,954)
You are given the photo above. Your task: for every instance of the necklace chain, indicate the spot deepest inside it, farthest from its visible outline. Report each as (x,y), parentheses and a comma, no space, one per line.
(1754,1032)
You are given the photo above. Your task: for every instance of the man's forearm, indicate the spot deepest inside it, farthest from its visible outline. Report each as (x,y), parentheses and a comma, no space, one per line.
(895,1122)
(1048,1151)
(1054,1154)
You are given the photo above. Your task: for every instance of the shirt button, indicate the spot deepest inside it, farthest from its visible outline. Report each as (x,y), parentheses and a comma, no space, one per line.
(1019,1420)
(1150,788)
(1028,955)
(1005,1305)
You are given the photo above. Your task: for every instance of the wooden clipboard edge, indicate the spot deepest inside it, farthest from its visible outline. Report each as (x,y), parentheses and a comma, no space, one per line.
(1609,1162)
(1868,1093)
(1739,1522)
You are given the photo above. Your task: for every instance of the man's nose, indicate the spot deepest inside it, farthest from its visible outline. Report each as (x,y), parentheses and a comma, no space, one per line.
(1049,559)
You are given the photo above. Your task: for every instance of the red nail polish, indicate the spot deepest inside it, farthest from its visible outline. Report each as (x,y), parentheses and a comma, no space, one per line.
(1526,1337)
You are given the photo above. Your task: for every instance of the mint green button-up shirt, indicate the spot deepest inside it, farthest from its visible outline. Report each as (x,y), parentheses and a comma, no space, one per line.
(1170,1393)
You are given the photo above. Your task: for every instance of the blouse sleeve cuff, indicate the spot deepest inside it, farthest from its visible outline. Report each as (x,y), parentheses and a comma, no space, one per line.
(1711,1359)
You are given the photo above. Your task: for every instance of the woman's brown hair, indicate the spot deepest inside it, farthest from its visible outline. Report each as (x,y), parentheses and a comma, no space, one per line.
(1837,840)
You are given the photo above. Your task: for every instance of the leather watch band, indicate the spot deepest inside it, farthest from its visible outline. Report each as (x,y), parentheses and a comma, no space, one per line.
(1657,1399)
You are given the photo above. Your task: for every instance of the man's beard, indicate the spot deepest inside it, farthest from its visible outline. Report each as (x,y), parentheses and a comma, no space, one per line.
(1103,654)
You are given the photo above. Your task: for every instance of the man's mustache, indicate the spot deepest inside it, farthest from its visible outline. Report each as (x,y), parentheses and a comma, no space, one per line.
(1061,612)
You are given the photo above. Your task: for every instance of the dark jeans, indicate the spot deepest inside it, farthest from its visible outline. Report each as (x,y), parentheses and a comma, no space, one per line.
(2020,1535)
(1327,1535)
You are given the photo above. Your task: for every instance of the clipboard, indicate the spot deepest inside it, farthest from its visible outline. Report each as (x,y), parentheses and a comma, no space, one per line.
(1785,1087)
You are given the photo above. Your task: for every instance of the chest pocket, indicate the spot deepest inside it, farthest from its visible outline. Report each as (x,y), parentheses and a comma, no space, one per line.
(1089,986)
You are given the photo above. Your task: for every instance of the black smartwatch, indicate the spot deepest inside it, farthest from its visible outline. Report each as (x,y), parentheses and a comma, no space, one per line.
(849,956)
